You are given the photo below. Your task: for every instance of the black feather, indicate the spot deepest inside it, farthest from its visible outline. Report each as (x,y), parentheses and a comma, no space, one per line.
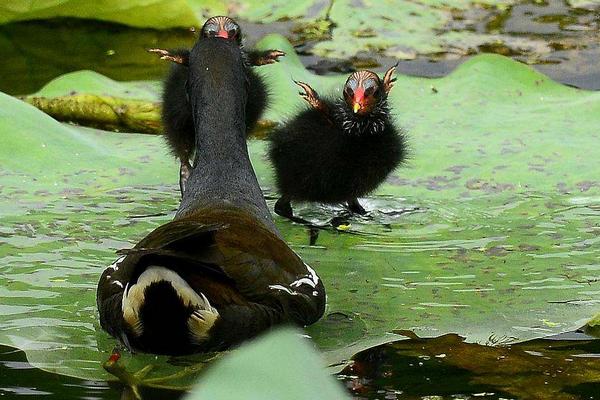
(177,113)
(335,160)
(165,315)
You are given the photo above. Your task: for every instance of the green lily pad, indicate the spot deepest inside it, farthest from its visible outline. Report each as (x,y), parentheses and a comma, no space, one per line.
(94,83)
(281,365)
(140,13)
(157,13)
(592,327)
(490,231)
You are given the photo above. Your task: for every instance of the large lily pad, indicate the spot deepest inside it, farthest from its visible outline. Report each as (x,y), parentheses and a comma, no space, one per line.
(141,13)
(282,365)
(490,231)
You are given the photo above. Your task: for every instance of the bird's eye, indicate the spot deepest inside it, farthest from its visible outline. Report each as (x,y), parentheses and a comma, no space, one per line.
(210,30)
(348,91)
(370,85)
(232,33)
(370,91)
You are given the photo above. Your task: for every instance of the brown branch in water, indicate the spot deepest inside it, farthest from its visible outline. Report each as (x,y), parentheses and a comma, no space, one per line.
(104,112)
(113,113)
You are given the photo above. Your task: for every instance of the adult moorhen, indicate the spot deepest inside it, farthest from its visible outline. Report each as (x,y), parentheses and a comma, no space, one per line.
(220,272)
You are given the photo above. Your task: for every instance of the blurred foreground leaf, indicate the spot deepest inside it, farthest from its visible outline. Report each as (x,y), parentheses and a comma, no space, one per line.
(280,365)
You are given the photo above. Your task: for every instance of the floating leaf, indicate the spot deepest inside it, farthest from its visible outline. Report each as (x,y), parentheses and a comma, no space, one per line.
(280,365)
(557,368)
(140,13)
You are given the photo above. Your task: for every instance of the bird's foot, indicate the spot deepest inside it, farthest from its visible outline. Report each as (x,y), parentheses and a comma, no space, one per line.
(283,207)
(131,381)
(184,174)
(167,55)
(268,57)
(310,95)
(355,207)
(389,79)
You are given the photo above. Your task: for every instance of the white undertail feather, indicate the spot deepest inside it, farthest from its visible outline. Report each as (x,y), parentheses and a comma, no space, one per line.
(200,321)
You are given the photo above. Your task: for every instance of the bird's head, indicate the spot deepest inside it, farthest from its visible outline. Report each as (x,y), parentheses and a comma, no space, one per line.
(362,91)
(222,27)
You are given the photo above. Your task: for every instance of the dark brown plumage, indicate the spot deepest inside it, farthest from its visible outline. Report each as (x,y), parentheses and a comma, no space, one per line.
(220,272)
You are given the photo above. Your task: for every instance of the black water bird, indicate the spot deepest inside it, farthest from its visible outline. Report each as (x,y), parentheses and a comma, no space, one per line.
(335,151)
(220,272)
(176,112)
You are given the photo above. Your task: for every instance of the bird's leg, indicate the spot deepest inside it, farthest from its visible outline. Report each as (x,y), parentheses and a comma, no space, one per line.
(184,173)
(177,57)
(283,207)
(313,235)
(131,381)
(389,79)
(355,207)
(258,58)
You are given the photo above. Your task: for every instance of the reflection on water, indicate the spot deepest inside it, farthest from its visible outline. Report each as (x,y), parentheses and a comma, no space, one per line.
(18,379)
(562,368)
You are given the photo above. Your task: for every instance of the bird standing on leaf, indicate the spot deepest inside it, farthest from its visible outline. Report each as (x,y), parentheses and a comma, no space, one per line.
(335,151)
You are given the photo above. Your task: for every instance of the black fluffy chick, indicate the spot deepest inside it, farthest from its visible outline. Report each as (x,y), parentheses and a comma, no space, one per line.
(176,112)
(335,151)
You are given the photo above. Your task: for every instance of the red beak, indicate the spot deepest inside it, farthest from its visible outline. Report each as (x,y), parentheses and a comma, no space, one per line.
(223,34)
(359,97)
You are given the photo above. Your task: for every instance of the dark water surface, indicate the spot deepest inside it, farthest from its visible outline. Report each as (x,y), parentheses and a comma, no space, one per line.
(559,368)
(444,368)
(18,379)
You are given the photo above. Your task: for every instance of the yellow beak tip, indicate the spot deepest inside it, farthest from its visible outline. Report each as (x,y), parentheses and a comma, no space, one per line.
(356,108)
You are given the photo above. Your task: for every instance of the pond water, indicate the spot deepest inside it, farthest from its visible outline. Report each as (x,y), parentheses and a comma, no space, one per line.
(555,38)
(444,368)
(559,243)
(562,367)
(57,244)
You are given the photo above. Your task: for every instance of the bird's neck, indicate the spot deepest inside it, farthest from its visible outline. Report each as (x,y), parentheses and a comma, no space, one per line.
(357,125)
(222,175)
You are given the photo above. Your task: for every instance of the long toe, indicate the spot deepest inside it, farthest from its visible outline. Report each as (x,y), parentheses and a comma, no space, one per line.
(283,207)
(355,207)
